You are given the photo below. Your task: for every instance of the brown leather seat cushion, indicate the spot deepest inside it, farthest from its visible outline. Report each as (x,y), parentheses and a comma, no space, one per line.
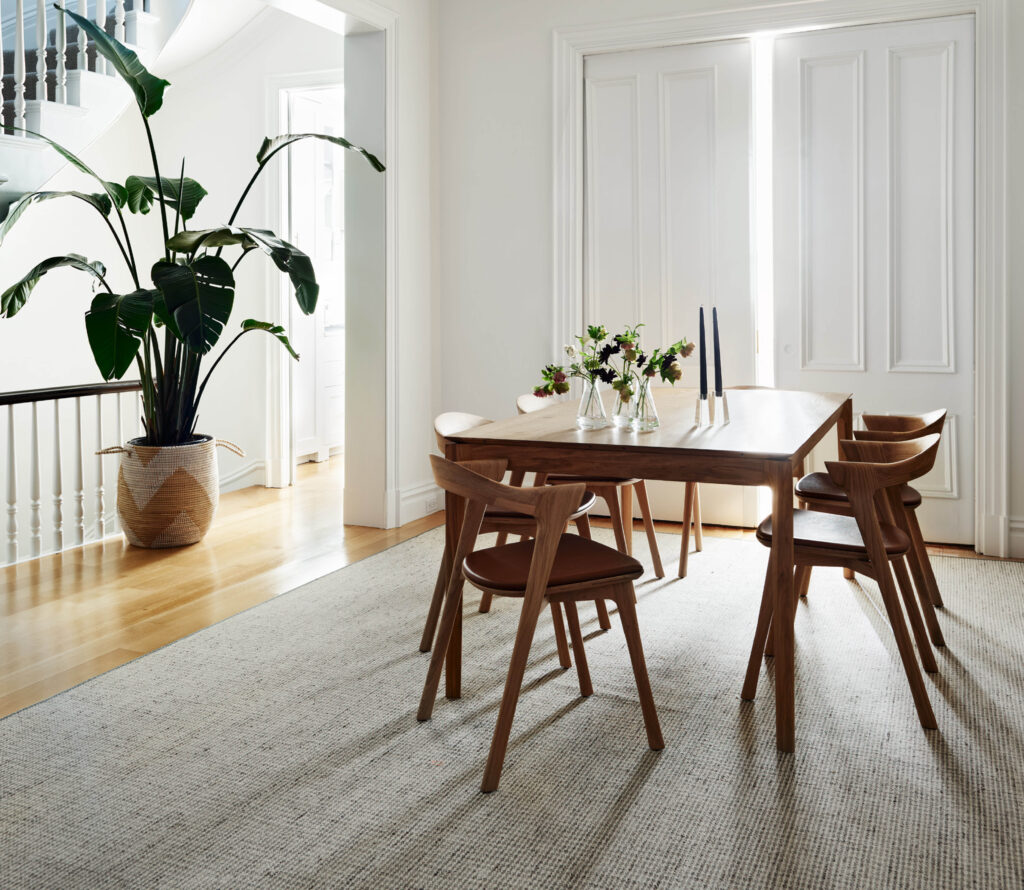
(577,560)
(605,480)
(831,532)
(819,486)
(586,504)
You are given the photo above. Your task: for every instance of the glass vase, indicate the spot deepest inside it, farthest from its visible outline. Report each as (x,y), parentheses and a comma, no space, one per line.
(622,413)
(645,413)
(591,414)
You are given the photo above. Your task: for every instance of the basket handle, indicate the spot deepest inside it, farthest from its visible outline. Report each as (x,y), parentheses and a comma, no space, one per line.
(231,446)
(117,449)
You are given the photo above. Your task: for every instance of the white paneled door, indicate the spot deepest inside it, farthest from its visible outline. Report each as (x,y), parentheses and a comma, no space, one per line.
(874,232)
(667,198)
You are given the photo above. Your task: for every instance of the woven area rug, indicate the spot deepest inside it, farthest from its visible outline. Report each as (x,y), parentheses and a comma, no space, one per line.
(280,748)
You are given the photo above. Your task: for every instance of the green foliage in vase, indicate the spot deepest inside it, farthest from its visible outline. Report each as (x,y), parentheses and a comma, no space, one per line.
(596,359)
(167,327)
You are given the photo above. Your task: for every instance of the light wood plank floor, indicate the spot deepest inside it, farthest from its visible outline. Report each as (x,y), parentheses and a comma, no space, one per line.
(69,617)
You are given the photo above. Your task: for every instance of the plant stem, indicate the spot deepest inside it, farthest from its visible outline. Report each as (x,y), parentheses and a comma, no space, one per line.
(159,188)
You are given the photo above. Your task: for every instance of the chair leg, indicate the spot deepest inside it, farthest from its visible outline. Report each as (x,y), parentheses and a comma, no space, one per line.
(917,543)
(924,647)
(582,668)
(918,572)
(560,641)
(631,629)
(698,520)
(906,648)
(452,609)
(610,496)
(434,611)
(652,539)
(761,637)
(485,603)
(802,580)
(510,697)
(501,540)
(626,493)
(583,527)
(684,547)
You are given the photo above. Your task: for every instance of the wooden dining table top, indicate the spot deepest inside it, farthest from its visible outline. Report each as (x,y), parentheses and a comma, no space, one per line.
(764,424)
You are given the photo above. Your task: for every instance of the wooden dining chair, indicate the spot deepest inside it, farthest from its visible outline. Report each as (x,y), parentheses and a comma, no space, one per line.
(817,491)
(551,568)
(612,489)
(870,541)
(503,523)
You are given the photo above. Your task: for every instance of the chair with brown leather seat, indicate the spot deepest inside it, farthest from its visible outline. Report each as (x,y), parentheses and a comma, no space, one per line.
(871,475)
(611,489)
(817,491)
(551,568)
(503,523)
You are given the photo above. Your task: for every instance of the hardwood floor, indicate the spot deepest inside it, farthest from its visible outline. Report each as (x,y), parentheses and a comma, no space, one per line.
(68,617)
(71,616)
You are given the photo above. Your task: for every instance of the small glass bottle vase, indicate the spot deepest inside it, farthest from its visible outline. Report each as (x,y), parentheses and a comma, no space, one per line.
(645,413)
(622,413)
(591,414)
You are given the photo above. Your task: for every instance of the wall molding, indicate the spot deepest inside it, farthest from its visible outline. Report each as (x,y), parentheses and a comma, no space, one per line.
(1016,536)
(991,383)
(418,501)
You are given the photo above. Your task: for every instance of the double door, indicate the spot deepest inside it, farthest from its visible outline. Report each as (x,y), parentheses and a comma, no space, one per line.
(837,231)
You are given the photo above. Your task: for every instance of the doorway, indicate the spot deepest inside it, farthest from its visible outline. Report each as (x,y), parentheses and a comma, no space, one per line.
(313,189)
(819,205)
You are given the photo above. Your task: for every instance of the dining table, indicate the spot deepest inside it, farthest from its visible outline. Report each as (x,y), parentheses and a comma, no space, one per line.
(765,441)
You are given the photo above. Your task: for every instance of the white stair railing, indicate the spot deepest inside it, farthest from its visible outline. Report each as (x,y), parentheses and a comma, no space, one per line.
(110,15)
(27,535)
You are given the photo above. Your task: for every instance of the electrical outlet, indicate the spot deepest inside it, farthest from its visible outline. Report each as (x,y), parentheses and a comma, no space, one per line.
(433,503)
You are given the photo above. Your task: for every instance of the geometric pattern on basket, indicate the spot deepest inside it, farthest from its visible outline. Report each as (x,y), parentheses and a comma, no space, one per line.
(167,497)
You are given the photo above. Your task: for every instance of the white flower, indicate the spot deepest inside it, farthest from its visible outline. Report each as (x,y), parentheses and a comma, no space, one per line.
(570,351)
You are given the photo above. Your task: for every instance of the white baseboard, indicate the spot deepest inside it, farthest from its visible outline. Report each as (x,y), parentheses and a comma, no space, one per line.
(1017,537)
(418,501)
(252,473)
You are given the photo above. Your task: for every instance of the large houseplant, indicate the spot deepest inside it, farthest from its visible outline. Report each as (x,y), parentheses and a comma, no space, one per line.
(166,327)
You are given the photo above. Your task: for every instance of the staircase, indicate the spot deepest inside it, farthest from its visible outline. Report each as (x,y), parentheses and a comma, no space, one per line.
(54,83)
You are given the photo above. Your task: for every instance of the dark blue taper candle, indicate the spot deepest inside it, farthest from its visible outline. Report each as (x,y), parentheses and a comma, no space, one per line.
(703,359)
(718,354)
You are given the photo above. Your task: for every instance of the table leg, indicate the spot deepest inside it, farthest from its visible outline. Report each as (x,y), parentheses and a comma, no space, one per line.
(782,561)
(454,511)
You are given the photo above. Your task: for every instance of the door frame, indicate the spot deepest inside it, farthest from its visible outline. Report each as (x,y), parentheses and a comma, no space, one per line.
(346,17)
(991,332)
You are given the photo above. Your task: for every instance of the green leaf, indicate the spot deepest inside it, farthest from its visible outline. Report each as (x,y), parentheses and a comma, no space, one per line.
(272,146)
(163,315)
(115,192)
(199,297)
(250,324)
(14,298)
(142,194)
(290,259)
(148,89)
(286,257)
(116,326)
(101,202)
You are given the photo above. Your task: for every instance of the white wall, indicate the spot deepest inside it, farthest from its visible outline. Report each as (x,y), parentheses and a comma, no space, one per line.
(495,87)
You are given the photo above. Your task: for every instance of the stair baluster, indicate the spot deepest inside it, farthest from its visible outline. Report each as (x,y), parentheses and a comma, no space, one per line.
(79,476)
(12,490)
(101,516)
(119,16)
(101,23)
(19,67)
(41,35)
(58,483)
(83,41)
(36,520)
(60,87)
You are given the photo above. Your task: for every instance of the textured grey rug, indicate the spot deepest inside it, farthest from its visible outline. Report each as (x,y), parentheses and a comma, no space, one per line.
(280,749)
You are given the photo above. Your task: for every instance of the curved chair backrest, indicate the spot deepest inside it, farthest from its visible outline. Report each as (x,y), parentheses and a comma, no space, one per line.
(481,487)
(874,465)
(451,423)
(749,386)
(527,403)
(900,427)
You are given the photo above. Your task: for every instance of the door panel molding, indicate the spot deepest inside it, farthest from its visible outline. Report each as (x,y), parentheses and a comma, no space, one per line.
(833,272)
(991,331)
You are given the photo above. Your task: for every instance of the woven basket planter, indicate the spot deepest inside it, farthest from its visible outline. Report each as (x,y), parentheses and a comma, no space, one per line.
(167,495)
